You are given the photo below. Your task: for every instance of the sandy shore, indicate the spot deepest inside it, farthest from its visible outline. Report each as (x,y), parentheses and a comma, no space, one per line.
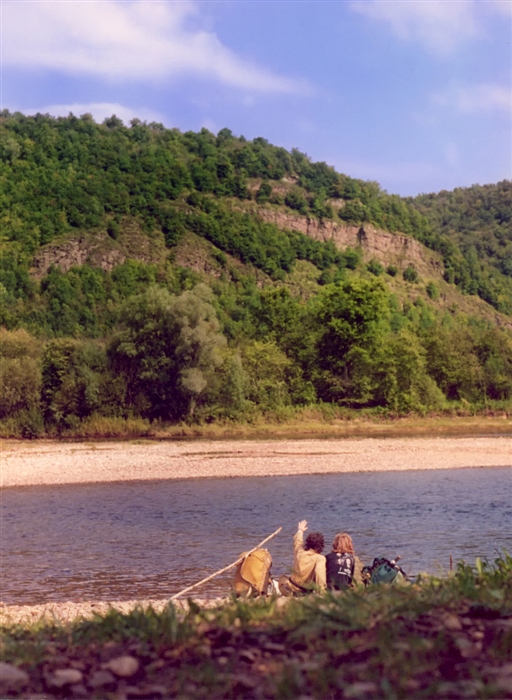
(47,463)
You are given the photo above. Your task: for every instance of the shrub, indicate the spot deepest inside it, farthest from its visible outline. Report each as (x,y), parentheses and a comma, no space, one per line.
(432,290)
(276,198)
(410,274)
(296,200)
(31,424)
(351,258)
(113,229)
(375,267)
(27,424)
(264,193)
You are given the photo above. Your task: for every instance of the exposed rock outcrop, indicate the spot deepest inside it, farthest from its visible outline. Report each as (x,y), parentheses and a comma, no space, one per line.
(98,249)
(389,248)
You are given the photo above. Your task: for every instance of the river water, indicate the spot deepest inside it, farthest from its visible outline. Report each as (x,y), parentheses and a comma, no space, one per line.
(149,539)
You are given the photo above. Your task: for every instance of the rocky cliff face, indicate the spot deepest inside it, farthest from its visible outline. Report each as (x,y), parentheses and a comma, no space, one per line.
(99,250)
(389,248)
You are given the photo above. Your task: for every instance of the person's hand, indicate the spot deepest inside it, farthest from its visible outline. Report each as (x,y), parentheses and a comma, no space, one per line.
(303,525)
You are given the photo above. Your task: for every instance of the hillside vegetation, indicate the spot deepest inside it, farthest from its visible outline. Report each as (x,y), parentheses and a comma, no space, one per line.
(151,275)
(477,223)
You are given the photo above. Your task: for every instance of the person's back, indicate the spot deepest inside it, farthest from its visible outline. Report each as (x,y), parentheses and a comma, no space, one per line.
(308,562)
(343,567)
(339,569)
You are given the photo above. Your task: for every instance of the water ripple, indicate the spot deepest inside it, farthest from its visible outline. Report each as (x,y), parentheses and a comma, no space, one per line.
(149,539)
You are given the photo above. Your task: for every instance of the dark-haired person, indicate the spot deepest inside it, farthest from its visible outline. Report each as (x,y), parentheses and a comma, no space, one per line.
(343,567)
(308,571)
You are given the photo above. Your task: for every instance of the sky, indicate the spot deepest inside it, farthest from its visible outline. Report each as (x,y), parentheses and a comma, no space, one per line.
(413,94)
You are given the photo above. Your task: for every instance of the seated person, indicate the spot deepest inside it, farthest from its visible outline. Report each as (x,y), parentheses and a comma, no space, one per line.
(343,567)
(308,570)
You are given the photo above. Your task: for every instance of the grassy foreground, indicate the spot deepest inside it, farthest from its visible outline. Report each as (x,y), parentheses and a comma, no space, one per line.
(443,638)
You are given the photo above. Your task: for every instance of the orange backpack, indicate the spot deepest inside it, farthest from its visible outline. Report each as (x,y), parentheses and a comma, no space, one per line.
(252,575)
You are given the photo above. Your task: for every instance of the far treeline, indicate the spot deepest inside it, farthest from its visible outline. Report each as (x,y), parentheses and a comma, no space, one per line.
(153,341)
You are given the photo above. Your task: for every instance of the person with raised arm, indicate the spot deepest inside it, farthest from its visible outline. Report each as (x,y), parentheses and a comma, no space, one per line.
(309,572)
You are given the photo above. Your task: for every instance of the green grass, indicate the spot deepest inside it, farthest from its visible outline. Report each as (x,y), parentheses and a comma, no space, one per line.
(443,637)
(326,421)
(322,421)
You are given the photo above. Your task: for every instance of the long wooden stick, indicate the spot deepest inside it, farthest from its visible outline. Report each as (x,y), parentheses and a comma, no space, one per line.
(226,568)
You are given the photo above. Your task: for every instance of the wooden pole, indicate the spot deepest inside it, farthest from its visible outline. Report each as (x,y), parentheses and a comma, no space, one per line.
(226,568)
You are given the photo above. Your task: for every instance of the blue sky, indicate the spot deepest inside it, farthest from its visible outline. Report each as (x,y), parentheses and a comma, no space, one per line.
(415,94)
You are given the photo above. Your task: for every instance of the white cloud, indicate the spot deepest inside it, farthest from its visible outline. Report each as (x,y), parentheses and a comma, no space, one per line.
(485,97)
(438,25)
(126,41)
(99,110)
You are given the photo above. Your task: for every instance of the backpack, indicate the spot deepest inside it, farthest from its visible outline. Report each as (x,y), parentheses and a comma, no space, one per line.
(384,571)
(339,569)
(252,575)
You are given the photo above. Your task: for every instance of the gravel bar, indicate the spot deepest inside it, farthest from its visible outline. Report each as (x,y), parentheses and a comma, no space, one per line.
(47,463)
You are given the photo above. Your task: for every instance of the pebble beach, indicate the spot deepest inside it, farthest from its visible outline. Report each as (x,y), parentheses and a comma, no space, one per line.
(71,610)
(49,463)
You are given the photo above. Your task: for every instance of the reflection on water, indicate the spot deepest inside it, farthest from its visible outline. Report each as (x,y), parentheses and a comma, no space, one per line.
(149,539)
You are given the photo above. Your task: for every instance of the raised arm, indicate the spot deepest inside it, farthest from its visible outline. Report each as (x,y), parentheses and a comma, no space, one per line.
(298,540)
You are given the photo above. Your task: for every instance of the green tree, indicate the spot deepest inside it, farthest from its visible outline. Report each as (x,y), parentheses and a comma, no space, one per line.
(400,369)
(453,363)
(72,380)
(494,350)
(266,370)
(167,351)
(20,380)
(349,318)
(225,394)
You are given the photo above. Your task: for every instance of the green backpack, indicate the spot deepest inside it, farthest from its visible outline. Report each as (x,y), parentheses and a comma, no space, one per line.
(384,571)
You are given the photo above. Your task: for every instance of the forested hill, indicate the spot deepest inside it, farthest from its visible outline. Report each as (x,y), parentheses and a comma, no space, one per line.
(60,175)
(477,220)
(151,273)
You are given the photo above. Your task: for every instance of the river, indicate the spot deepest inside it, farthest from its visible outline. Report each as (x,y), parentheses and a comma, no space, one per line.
(148,539)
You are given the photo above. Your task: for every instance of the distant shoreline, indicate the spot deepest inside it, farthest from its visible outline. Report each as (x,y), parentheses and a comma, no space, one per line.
(57,463)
